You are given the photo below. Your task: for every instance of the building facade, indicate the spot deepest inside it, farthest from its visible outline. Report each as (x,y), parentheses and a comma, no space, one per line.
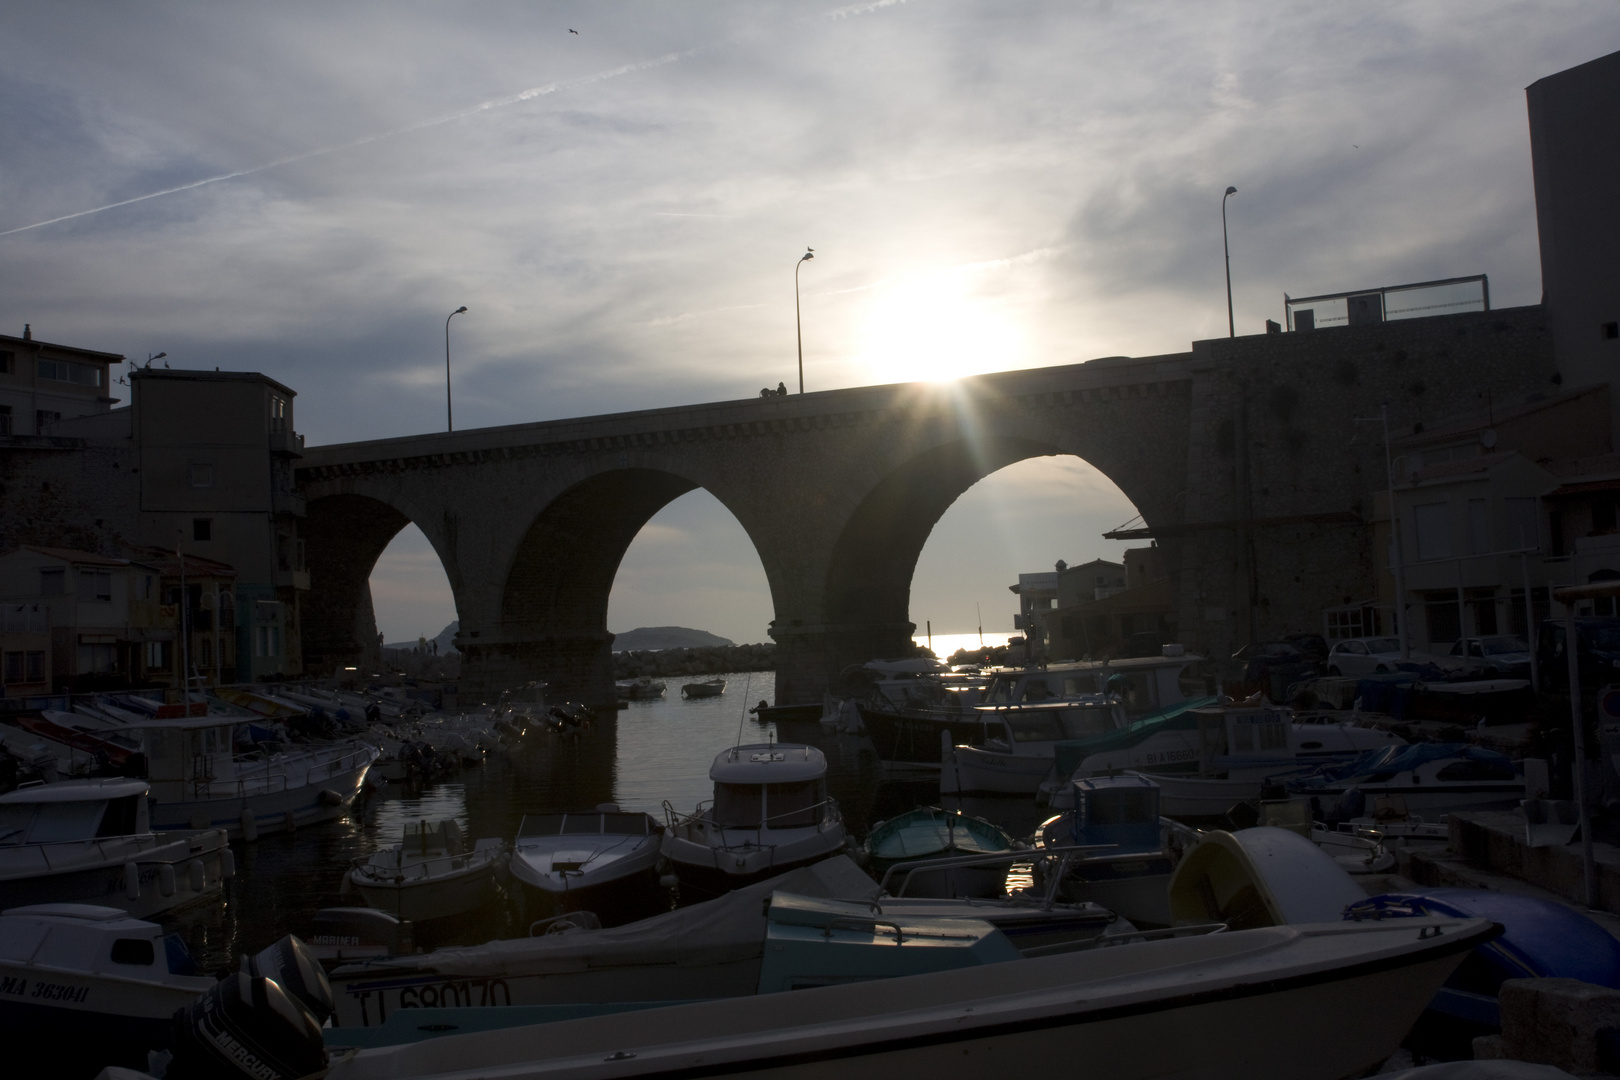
(41,383)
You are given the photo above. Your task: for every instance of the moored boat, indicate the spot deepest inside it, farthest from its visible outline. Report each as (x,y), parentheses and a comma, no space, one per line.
(931,833)
(1018,746)
(644,688)
(604,861)
(430,874)
(91,842)
(705,689)
(86,986)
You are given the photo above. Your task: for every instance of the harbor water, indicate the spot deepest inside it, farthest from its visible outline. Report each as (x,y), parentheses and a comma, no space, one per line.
(650,753)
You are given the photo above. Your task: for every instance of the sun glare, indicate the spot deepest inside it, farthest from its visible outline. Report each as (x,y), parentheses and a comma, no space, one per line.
(935,328)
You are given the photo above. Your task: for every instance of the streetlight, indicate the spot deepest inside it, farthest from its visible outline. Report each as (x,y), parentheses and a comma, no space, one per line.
(798,323)
(1231,327)
(449,420)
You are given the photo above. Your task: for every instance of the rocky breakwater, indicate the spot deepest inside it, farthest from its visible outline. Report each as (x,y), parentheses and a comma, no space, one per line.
(701,660)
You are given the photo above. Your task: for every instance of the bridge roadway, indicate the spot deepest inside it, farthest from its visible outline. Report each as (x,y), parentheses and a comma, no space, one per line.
(1238,454)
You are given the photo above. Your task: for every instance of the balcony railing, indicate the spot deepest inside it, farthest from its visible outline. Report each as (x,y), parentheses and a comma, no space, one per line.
(285,443)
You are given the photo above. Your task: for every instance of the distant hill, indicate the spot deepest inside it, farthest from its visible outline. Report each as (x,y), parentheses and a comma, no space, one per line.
(446,640)
(664,637)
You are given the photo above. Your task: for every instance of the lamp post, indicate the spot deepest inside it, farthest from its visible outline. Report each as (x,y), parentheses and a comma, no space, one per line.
(798,322)
(449,419)
(1231,326)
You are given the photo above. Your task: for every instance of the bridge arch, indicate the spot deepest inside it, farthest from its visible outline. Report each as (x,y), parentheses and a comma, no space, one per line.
(345,533)
(551,619)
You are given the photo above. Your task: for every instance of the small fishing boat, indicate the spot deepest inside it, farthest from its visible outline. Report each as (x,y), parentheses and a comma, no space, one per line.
(604,861)
(199,782)
(893,997)
(1018,744)
(430,874)
(770,813)
(91,842)
(644,688)
(1132,876)
(931,833)
(91,983)
(707,688)
(1428,779)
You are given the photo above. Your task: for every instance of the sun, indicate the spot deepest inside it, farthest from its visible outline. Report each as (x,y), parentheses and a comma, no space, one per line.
(935,328)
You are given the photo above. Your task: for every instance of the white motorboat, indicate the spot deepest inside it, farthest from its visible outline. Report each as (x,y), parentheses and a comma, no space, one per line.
(1332,999)
(94,985)
(1241,746)
(1132,875)
(770,813)
(604,861)
(1019,743)
(1221,754)
(1426,779)
(91,842)
(706,689)
(430,874)
(712,949)
(198,782)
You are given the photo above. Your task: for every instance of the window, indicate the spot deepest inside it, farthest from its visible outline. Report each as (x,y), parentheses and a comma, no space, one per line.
(97,659)
(69,372)
(1603,515)
(1479,527)
(13,670)
(157,656)
(202,475)
(5,420)
(95,584)
(266,641)
(202,528)
(1445,621)
(148,585)
(137,951)
(278,414)
(43,417)
(8,362)
(1433,531)
(52,581)
(1611,331)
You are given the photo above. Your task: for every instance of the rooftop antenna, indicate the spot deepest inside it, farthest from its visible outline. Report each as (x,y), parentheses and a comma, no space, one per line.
(980,612)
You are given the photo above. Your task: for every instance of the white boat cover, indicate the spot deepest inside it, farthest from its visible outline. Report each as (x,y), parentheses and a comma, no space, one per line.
(720,931)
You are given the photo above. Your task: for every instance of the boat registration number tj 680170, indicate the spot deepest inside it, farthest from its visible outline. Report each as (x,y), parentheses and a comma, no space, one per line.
(453,993)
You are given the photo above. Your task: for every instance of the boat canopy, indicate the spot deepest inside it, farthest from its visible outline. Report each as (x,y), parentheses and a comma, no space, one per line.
(75,791)
(768,763)
(1389,760)
(1177,717)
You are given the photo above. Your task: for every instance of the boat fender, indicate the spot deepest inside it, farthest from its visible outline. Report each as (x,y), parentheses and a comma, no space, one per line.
(227,864)
(132,881)
(166,879)
(328,797)
(250,826)
(668,881)
(198,876)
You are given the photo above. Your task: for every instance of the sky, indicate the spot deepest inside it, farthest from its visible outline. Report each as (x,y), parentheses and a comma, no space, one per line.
(307,190)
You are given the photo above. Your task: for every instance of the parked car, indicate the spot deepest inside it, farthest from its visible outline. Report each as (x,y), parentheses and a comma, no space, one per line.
(1364,656)
(1495,656)
(1598,652)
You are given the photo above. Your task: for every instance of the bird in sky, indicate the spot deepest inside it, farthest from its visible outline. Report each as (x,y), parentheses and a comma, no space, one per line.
(572,31)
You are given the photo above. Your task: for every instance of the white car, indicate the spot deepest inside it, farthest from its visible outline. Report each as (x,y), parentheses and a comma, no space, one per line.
(1363,656)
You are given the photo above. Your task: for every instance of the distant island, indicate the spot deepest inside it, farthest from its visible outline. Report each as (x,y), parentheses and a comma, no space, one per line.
(646,638)
(446,639)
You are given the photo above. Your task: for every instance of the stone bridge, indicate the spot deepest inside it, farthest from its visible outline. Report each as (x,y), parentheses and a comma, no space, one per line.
(1241,455)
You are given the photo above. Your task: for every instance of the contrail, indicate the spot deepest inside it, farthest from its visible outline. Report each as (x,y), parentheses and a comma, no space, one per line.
(496,103)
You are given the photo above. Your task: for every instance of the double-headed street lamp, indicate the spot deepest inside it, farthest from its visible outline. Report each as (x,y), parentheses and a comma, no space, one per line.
(798,323)
(1231,326)
(449,419)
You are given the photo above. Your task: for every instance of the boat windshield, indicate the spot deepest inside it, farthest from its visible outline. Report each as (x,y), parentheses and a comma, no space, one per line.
(736,806)
(792,806)
(541,825)
(625,824)
(49,823)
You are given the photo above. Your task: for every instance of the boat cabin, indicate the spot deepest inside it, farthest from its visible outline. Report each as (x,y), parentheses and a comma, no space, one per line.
(769,786)
(73,810)
(184,755)
(1144,685)
(1009,726)
(1243,735)
(94,940)
(1121,810)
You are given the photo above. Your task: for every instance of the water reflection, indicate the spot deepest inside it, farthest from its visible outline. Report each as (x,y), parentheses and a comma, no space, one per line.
(652,752)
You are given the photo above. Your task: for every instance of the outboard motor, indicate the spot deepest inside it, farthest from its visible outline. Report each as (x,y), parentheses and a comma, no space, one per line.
(246,1026)
(295,968)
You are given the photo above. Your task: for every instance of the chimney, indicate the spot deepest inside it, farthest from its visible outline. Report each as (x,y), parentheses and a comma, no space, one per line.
(28,332)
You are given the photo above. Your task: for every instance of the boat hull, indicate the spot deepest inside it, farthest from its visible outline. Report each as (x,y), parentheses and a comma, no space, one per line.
(443,897)
(271,810)
(616,901)
(971,769)
(1271,1002)
(912,739)
(106,882)
(89,1022)
(1201,797)
(706,872)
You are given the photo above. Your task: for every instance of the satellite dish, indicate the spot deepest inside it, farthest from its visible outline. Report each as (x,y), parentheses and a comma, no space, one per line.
(1487,438)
